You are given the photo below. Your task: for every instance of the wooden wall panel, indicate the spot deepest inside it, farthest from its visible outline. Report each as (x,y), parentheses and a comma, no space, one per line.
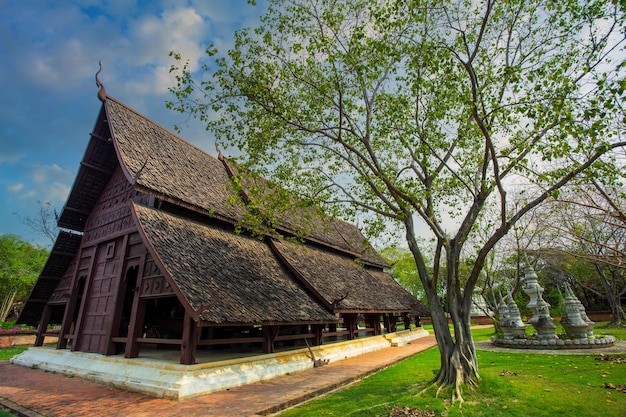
(101,301)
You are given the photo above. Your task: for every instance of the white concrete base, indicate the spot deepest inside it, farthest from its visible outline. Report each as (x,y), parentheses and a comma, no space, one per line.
(405,337)
(171,380)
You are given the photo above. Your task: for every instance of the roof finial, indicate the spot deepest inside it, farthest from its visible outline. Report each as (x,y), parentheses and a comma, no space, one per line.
(102,94)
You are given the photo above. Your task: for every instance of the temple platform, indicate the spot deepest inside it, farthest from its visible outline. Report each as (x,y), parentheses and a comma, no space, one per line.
(158,373)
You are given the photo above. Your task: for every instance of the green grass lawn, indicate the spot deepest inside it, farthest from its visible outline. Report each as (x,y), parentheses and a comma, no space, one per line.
(512,384)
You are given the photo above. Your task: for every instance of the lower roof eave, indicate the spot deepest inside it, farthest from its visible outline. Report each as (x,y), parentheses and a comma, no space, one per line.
(265,323)
(189,206)
(372,311)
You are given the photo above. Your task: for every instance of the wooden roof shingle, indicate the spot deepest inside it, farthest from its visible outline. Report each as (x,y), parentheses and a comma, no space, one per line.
(224,277)
(342,282)
(164,165)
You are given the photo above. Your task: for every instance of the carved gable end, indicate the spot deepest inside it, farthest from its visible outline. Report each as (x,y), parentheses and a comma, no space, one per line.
(111,213)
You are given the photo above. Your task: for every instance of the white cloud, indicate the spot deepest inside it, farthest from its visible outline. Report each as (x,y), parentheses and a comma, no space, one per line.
(11,155)
(64,67)
(49,183)
(16,188)
(179,30)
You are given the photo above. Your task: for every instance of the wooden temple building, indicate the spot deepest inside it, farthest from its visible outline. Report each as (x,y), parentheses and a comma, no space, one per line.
(151,253)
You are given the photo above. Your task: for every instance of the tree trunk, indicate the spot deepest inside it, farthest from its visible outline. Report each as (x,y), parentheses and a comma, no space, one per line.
(613,296)
(458,363)
(617,312)
(5,306)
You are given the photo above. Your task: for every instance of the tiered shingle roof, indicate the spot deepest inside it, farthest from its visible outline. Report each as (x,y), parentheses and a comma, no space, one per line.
(222,276)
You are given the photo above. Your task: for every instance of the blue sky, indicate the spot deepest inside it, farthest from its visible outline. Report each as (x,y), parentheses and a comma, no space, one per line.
(50,51)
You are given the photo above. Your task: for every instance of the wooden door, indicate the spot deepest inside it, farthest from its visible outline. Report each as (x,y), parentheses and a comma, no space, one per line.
(101,297)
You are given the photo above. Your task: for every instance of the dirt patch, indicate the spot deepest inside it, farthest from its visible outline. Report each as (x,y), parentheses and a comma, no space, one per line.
(507,373)
(616,387)
(613,359)
(411,412)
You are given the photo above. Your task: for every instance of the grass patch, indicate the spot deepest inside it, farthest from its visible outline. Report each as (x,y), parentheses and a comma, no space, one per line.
(602,329)
(512,384)
(6,413)
(8,353)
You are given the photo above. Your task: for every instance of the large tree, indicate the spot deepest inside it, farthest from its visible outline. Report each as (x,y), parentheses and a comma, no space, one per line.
(419,114)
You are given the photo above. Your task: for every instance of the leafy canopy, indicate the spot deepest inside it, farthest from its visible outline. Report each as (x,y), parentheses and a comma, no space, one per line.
(20,265)
(429,111)
(417,107)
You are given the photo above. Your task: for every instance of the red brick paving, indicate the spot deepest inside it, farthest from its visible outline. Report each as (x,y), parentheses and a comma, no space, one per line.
(49,394)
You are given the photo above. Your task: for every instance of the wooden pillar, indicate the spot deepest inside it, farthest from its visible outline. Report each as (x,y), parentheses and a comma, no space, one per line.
(332,327)
(112,329)
(43,325)
(373,321)
(85,300)
(317,330)
(269,336)
(68,316)
(70,307)
(406,317)
(135,328)
(137,315)
(350,321)
(190,340)
(390,322)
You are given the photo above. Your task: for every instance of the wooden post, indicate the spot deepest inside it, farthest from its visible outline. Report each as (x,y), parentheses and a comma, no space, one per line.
(112,329)
(91,272)
(137,315)
(318,332)
(332,328)
(190,340)
(43,325)
(269,335)
(373,321)
(390,322)
(350,321)
(407,321)
(70,307)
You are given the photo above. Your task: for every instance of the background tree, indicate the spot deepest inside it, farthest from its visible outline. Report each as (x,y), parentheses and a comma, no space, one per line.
(404,270)
(44,223)
(420,114)
(590,242)
(20,265)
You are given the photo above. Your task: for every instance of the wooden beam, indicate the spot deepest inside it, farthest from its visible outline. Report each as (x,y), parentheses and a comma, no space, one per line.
(76,210)
(91,272)
(350,319)
(95,168)
(70,307)
(269,337)
(43,325)
(95,135)
(137,314)
(113,328)
(189,341)
(318,334)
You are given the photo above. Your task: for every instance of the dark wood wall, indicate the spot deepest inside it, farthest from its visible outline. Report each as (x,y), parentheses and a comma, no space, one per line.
(95,285)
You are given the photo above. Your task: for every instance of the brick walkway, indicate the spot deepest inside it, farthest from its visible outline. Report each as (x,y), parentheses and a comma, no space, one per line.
(32,392)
